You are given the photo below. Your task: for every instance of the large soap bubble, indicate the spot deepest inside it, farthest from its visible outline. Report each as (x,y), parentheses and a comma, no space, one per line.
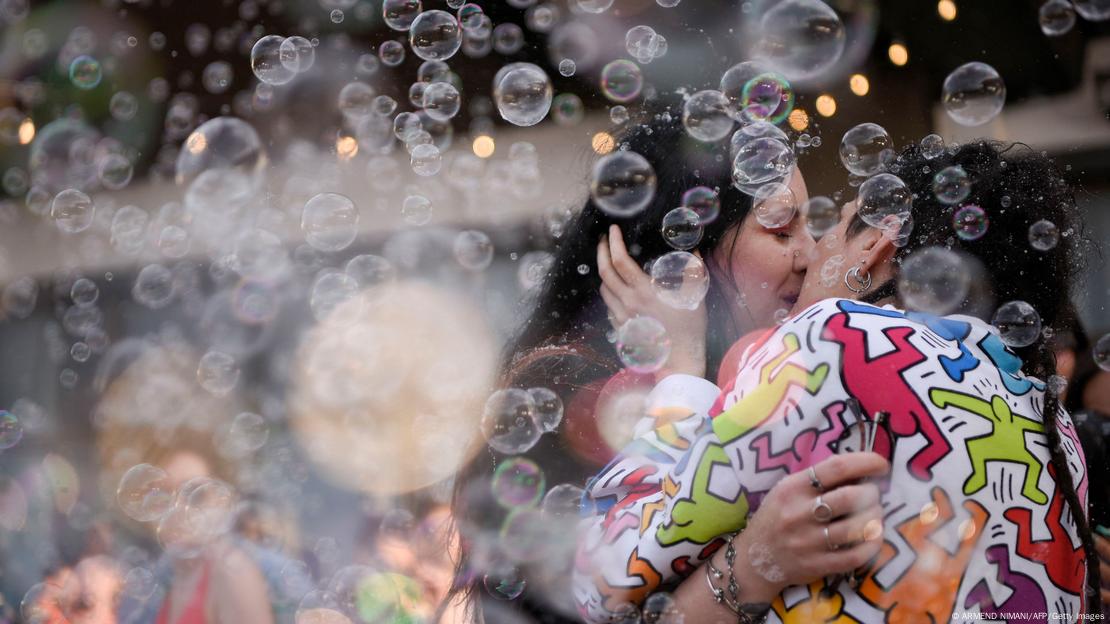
(934,280)
(221,143)
(435,35)
(761,161)
(1018,324)
(400,14)
(63,155)
(622,183)
(680,280)
(1093,10)
(621,81)
(523,95)
(705,116)
(883,197)
(267,61)
(802,39)
(973,94)
(866,149)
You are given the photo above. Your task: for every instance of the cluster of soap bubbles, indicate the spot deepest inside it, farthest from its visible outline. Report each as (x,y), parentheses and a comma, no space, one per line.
(514,419)
(276,60)
(644,44)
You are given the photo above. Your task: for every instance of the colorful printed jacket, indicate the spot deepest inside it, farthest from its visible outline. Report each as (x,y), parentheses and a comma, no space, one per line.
(974,520)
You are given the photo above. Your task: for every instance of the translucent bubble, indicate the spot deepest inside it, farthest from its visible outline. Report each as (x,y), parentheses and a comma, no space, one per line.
(153,286)
(775,205)
(523,95)
(970,222)
(1018,324)
(766,97)
(564,502)
(11,430)
(139,583)
(567,109)
(755,130)
(549,408)
(973,94)
(62,156)
(217,77)
(934,280)
(1101,353)
(426,160)
(296,54)
(266,61)
(123,106)
(329,291)
(508,38)
(622,183)
(951,185)
(1043,235)
(822,214)
(1056,17)
(85,72)
(534,267)
(705,116)
(567,67)
(932,146)
(441,101)
(733,82)
(330,221)
(509,422)
(642,43)
(621,81)
(145,493)
(507,582)
(882,197)
(400,14)
(801,39)
(594,6)
(704,202)
(643,344)
(370,271)
(222,143)
(473,250)
(217,372)
(435,35)
(661,608)
(680,279)
(356,100)
(518,482)
(470,16)
(391,53)
(417,210)
(209,507)
(866,149)
(84,292)
(72,211)
(114,171)
(1093,10)
(336,16)
(761,161)
(682,228)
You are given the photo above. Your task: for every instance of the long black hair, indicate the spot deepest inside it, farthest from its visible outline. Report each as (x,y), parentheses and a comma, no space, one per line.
(1017,187)
(563,344)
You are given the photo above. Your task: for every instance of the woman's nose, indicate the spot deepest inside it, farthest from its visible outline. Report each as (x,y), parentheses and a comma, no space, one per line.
(803,248)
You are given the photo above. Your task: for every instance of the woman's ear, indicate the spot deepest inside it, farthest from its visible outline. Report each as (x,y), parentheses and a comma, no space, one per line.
(876,249)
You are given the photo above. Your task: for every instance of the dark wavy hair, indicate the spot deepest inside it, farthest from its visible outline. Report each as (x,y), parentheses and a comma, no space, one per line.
(564,337)
(1017,187)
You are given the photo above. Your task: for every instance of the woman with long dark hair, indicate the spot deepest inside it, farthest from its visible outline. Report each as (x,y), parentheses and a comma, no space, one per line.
(516,558)
(985,511)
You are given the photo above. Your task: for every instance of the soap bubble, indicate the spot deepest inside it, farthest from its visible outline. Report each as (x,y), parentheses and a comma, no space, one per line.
(518,482)
(139,583)
(11,430)
(970,222)
(594,6)
(1018,324)
(661,608)
(932,146)
(72,211)
(1093,10)
(567,67)
(644,44)
(704,202)
(507,582)
(682,228)
(1056,17)
(509,421)
(123,106)
(705,116)
(951,185)
(760,162)
(508,38)
(866,149)
(621,81)
(643,344)
(1101,352)
(426,160)
(217,372)
(330,221)
(473,250)
(523,95)
(775,205)
(733,82)
(435,35)
(400,14)
(622,183)
(973,94)
(145,493)
(297,54)
(441,101)
(114,171)
(755,130)
(802,39)
(217,77)
(882,197)
(356,100)
(153,286)
(680,279)
(549,408)
(1043,235)
(417,210)
(567,109)
(564,502)
(471,17)
(822,214)
(934,280)
(62,156)
(766,97)
(222,143)
(85,72)
(266,61)
(391,53)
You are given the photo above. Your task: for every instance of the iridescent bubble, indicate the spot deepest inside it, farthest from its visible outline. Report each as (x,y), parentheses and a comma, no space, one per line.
(682,228)
(775,205)
(114,171)
(473,250)
(1043,235)
(882,197)
(72,211)
(470,16)
(932,146)
(705,116)
(1093,10)
(222,143)
(594,6)
(153,286)
(567,67)
(435,35)
(755,130)
(297,54)
(217,372)
(11,430)
(567,109)
(766,97)
(330,221)
(1101,353)
(356,99)
(1018,324)
(622,183)
(518,482)
(123,106)
(934,280)
(822,214)
(866,149)
(217,77)
(973,94)
(391,53)
(85,72)
(704,202)
(523,95)
(508,38)
(680,280)
(760,162)
(441,101)
(970,222)
(426,160)
(951,185)
(509,421)
(733,82)
(801,39)
(266,61)
(643,344)
(1056,17)
(549,408)
(145,493)
(507,582)
(621,81)
(400,14)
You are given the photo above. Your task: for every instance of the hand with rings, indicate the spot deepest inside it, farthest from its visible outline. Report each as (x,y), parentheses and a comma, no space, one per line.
(821,521)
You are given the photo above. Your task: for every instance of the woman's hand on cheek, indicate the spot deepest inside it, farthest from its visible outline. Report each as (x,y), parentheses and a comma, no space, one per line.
(628,292)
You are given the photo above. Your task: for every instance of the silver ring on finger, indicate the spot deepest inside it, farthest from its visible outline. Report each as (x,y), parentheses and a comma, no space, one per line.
(828,540)
(814,481)
(821,510)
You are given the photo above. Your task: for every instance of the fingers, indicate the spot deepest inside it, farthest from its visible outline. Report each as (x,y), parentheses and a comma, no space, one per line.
(853,557)
(841,469)
(609,275)
(626,267)
(618,314)
(850,499)
(859,527)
